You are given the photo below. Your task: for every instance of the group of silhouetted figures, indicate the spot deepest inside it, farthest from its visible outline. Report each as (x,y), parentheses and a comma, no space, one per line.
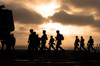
(8,42)
(39,43)
(79,44)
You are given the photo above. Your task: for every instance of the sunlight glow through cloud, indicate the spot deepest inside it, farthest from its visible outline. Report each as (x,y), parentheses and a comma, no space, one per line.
(66,30)
(45,9)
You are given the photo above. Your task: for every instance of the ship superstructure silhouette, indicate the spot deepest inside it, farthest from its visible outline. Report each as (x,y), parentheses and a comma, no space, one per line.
(6,22)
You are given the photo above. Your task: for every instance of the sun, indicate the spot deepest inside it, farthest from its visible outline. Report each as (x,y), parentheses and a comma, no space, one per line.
(45,9)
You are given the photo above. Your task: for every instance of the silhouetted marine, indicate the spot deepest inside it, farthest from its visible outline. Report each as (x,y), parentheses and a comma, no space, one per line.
(31,39)
(91,44)
(82,43)
(51,43)
(76,44)
(59,39)
(43,40)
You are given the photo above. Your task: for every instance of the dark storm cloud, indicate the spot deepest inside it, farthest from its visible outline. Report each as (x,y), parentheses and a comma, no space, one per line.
(64,18)
(24,15)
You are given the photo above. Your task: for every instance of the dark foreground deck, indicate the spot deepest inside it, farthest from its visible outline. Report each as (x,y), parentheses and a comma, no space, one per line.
(45,58)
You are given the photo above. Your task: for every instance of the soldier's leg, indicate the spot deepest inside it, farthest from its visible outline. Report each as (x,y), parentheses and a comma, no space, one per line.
(45,48)
(42,47)
(89,48)
(29,46)
(53,47)
(57,47)
(61,47)
(84,48)
(49,47)
(13,46)
(75,48)
(93,48)
(36,47)
(8,46)
(80,48)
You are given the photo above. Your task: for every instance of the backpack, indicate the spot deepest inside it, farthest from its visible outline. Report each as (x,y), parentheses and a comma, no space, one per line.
(62,37)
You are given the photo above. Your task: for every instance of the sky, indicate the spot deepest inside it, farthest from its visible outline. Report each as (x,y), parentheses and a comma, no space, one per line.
(71,17)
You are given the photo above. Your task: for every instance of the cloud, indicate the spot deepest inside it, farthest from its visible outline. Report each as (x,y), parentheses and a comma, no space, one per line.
(78,12)
(24,15)
(83,7)
(69,19)
(83,4)
(28,16)
(37,2)
(96,25)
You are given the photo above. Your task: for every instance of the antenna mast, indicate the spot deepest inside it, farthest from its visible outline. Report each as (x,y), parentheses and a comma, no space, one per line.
(1,4)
